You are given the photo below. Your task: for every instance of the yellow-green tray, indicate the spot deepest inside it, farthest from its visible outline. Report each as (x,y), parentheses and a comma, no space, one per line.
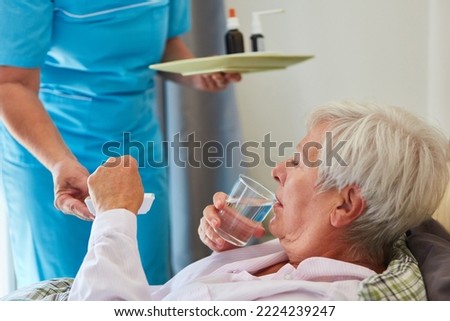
(242,63)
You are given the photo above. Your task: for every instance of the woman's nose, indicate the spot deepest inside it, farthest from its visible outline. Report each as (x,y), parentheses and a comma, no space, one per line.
(279,172)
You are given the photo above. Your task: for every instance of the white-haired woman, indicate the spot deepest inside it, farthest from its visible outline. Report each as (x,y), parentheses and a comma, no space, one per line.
(389,162)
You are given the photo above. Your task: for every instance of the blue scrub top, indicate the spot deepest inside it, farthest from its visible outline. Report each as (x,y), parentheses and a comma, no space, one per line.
(94,58)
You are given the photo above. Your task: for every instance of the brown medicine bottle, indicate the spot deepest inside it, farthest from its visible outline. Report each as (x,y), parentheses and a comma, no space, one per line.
(234,40)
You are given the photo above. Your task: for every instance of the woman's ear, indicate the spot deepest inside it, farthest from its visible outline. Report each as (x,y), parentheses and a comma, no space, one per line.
(349,208)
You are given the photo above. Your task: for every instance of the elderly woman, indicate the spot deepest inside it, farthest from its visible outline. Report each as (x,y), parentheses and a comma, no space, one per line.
(340,209)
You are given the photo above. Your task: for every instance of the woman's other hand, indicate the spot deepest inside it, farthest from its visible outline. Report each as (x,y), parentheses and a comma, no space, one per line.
(116,184)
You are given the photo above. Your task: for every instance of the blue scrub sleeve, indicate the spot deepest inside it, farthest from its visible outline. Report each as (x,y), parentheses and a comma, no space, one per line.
(179,17)
(25,32)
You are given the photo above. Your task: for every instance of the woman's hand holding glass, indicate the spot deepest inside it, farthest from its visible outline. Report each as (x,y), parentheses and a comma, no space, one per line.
(211,221)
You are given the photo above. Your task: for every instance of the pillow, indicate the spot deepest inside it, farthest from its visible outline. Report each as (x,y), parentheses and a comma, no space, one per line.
(401,281)
(430,244)
(50,290)
(441,213)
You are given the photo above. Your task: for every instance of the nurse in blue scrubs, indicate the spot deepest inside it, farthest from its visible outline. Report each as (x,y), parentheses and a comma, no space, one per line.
(74,76)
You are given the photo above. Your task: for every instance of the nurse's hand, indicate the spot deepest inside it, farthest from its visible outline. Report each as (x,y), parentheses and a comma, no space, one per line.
(211,220)
(214,82)
(70,185)
(176,49)
(116,184)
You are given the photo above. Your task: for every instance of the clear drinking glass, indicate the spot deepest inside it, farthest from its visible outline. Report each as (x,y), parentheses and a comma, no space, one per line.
(247,206)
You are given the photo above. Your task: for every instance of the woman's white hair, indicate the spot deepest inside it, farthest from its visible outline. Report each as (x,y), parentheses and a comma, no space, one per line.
(398,161)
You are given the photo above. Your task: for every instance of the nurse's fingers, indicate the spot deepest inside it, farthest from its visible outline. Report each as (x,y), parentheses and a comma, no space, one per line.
(72,206)
(81,211)
(208,83)
(222,79)
(233,77)
(219,80)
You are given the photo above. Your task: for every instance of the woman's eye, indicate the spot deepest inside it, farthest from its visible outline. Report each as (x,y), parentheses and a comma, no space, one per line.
(293,162)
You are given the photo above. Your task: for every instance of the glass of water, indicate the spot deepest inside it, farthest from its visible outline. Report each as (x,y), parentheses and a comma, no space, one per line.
(247,206)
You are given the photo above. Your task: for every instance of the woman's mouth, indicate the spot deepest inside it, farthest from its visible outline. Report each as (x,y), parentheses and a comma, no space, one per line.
(277,202)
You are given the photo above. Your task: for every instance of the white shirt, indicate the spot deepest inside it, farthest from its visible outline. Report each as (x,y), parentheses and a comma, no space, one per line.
(112,270)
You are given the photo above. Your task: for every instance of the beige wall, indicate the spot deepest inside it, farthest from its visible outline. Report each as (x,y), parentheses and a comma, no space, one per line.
(378,50)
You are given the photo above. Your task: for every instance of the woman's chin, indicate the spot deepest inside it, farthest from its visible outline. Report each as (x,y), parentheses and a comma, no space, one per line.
(272,225)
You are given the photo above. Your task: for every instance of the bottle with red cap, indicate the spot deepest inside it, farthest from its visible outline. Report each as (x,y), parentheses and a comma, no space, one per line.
(234,41)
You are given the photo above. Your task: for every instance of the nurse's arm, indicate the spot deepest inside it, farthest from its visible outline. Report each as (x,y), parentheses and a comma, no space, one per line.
(26,119)
(176,49)
(28,122)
